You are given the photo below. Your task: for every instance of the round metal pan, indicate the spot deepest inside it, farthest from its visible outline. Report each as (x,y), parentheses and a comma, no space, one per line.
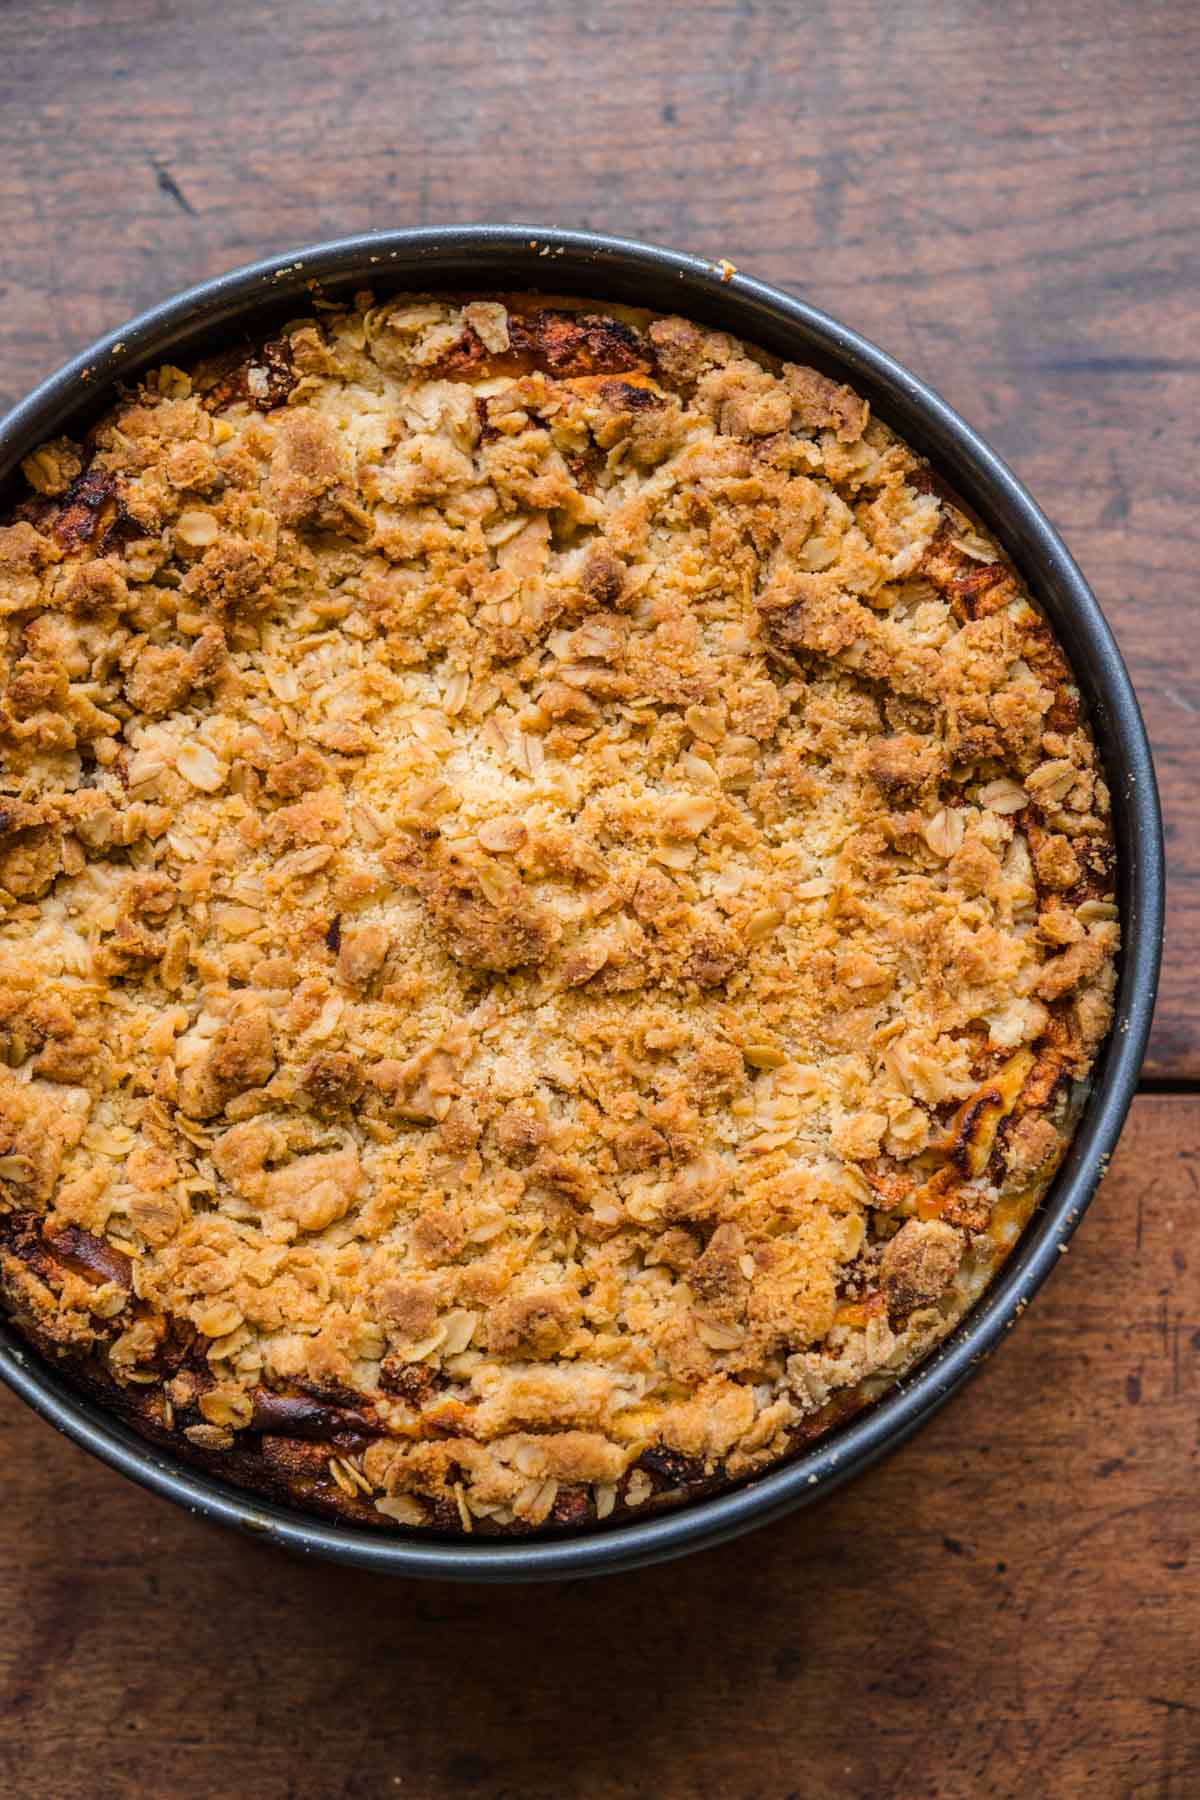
(246,304)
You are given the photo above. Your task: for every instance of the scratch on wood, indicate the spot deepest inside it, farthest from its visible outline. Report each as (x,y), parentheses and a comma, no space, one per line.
(169,186)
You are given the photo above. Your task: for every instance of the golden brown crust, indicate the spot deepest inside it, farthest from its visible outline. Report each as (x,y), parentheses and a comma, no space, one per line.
(553,892)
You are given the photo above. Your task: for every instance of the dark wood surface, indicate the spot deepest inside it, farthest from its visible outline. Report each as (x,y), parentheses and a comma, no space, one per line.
(1005,196)
(1007,1607)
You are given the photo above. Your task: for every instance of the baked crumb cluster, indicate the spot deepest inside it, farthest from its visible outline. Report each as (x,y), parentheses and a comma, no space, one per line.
(553,894)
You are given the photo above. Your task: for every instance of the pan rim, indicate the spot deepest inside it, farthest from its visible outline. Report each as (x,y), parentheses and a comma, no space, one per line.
(762,313)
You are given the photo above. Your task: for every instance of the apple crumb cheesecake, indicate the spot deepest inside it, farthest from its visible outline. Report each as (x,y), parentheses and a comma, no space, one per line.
(555,902)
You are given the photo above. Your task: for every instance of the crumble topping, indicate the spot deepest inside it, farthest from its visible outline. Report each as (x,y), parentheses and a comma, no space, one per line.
(553,891)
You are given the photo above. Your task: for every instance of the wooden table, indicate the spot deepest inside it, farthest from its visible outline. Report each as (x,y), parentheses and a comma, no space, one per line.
(1006,196)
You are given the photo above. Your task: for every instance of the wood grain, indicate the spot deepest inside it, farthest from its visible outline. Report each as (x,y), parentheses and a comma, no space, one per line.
(1005,194)
(1006,1607)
